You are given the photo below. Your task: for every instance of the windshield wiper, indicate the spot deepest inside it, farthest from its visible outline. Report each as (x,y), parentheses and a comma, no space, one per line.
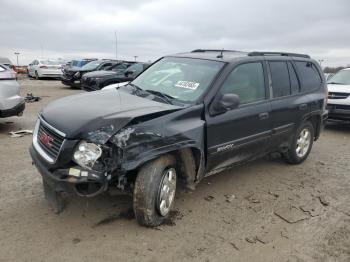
(136,88)
(165,97)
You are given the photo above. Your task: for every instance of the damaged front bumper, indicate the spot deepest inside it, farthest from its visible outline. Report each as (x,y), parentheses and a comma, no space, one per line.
(72,179)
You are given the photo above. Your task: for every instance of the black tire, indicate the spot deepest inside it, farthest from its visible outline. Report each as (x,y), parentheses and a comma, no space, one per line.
(146,191)
(37,76)
(291,156)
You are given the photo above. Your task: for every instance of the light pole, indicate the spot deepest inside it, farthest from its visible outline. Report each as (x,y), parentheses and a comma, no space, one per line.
(135,56)
(116,45)
(17,54)
(320,61)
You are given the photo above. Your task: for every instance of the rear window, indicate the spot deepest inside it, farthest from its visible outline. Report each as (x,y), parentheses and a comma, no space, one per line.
(309,76)
(280,79)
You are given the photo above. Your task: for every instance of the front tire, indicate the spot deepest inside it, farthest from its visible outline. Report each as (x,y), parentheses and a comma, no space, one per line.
(154,191)
(301,144)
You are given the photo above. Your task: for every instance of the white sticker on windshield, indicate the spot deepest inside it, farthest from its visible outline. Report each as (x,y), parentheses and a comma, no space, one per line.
(187,85)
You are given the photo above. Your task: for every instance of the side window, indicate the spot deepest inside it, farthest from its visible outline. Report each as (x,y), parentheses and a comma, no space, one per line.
(105,66)
(294,83)
(246,81)
(309,76)
(136,69)
(280,79)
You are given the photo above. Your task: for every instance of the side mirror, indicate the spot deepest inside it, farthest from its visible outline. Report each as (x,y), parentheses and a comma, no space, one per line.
(225,103)
(127,73)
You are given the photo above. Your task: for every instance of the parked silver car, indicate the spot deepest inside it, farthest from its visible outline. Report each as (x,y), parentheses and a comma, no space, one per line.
(11,103)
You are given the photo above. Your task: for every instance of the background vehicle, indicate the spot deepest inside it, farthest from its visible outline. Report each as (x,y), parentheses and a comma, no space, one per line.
(11,103)
(72,75)
(79,63)
(7,62)
(339,96)
(328,75)
(96,81)
(187,116)
(45,68)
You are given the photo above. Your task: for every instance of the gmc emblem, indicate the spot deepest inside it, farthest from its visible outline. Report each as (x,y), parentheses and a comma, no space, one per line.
(45,139)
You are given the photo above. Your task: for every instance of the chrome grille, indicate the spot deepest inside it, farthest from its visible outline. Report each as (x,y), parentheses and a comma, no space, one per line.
(47,140)
(337,95)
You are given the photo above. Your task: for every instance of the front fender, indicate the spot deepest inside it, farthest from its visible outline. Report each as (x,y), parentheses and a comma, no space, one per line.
(148,140)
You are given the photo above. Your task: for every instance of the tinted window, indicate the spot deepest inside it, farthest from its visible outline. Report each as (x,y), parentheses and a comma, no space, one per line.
(136,69)
(105,66)
(246,81)
(280,79)
(294,83)
(309,76)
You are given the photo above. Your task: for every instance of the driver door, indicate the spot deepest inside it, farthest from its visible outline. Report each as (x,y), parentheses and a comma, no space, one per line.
(243,133)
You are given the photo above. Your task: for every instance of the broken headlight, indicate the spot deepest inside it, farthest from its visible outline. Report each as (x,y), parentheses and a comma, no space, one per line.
(86,154)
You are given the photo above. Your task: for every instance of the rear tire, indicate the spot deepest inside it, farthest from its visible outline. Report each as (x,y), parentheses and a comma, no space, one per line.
(37,75)
(154,191)
(301,145)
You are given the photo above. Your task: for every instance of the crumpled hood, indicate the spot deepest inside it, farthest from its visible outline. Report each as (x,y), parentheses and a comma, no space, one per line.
(101,73)
(99,115)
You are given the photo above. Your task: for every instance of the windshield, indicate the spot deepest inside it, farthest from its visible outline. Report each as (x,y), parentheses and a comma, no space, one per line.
(341,78)
(184,79)
(91,65)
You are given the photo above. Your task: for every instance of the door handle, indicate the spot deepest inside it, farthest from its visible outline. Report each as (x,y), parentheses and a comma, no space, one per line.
(303,107)
(263,116)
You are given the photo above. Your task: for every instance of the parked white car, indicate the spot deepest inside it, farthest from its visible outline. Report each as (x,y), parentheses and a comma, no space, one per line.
(45,68)
(339,96)
(11,103)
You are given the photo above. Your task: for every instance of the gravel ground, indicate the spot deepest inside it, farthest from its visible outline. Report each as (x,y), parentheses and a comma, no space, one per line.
(264,211)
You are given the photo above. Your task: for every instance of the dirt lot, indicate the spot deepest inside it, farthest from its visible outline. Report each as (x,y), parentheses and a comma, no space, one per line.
(278,212)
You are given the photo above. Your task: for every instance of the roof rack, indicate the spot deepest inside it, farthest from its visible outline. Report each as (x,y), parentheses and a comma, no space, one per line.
(277,53)
(212,50)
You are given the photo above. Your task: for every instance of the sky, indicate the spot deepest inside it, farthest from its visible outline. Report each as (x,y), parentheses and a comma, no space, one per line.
(150,29)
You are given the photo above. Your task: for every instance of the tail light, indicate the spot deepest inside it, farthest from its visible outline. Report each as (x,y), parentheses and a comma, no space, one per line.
(43,67)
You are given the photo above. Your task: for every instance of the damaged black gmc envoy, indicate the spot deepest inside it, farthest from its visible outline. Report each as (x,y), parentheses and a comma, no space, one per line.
(187,116)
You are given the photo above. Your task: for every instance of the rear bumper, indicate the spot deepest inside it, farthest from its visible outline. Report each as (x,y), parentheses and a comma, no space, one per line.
(52,75)
(15,111)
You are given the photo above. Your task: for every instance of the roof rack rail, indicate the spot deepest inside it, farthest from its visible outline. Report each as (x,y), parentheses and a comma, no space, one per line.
(212,50)
(277,53)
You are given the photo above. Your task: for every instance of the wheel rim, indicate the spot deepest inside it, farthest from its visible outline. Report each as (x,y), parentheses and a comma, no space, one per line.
(303,142)
(166,192)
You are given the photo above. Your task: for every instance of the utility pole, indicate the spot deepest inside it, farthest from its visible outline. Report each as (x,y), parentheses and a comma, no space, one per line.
(17,54)
(116,45)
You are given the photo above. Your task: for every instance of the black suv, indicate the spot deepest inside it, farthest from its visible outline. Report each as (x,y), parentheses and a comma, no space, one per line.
(72,75)
(97,80)
(187,116)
